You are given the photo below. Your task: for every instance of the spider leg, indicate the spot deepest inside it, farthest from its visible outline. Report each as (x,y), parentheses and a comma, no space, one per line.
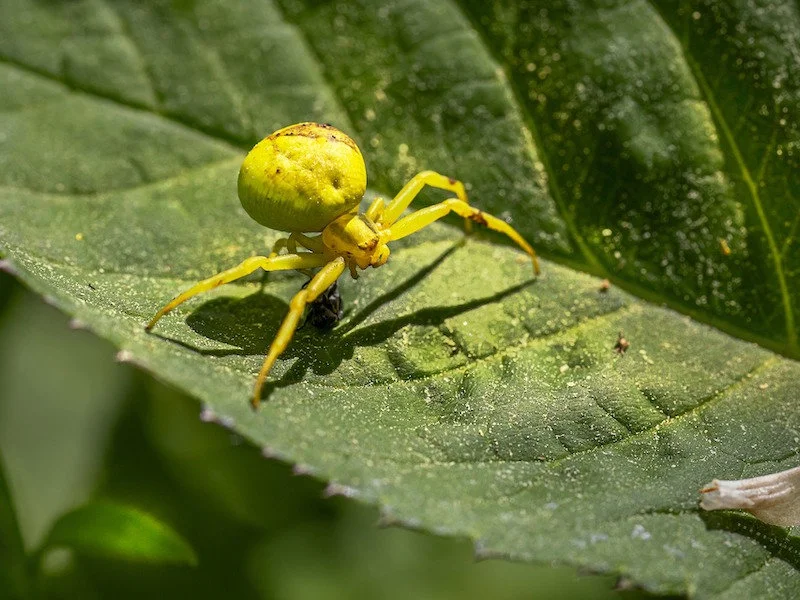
(290,243)
(410,190)
(309,243)
(283,244)
(321,282)
(305,260)
(375,210)
(424,217)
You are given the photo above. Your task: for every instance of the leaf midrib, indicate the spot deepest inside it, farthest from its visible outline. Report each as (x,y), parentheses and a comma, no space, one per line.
(777,259)
(534,141)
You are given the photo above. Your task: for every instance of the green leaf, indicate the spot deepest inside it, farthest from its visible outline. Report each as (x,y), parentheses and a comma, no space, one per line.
(625,139)
(15,578)
(109,530)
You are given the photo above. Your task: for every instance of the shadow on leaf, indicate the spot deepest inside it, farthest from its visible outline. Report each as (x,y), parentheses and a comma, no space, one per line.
(248,323)
(251,323)
(776,540)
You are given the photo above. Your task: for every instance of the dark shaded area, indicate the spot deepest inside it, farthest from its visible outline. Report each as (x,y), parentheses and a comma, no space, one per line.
(251,323)
(15,578)
(142,478)
(7,289)
(248,323)
(340,345)
(777,540)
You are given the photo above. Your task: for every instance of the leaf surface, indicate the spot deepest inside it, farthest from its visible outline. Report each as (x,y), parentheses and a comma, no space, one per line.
(459,393)
(14,572)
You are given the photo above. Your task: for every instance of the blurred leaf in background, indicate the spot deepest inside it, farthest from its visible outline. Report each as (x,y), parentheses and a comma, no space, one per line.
(121,532)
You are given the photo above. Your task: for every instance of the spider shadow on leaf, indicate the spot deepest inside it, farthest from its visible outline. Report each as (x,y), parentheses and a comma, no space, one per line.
(251,323)
(247,323)
(324,358)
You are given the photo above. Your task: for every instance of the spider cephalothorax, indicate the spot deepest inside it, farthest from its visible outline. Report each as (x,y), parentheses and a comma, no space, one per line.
(309,178)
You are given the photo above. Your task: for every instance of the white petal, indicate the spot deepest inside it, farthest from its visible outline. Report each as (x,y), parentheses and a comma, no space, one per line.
(773,498)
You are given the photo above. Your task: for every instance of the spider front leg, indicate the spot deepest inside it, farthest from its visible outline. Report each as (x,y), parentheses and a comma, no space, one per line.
(288,262)
(410,190)
(320,282)
(424,217)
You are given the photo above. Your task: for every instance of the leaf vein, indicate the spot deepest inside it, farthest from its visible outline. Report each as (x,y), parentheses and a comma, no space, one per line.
(306,40)
(723,593)
(703,405)
(212,133)
(534,142)
(126,34)
(746,174)
(697,409)
(144,185)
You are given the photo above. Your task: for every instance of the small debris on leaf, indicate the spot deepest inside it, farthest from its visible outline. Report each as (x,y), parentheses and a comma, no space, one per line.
(622,344)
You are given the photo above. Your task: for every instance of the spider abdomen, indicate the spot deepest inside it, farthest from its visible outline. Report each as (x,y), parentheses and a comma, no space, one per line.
(302,177)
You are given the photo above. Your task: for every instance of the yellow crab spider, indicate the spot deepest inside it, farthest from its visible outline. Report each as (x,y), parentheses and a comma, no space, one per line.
(311,177)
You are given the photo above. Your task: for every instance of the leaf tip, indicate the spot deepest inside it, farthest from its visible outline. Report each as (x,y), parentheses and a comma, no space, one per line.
(482,552)
(124,356)
(7,267)
(388,519)
(208,415)
(625,584)
(78,325)
(300,469)
(50,300)
(338,489)
(271,453)
(115,531)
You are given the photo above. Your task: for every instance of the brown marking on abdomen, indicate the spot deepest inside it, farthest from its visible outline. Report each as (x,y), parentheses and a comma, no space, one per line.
(317,130)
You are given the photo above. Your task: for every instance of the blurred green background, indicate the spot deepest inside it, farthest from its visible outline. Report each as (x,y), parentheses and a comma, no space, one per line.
(77,425)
